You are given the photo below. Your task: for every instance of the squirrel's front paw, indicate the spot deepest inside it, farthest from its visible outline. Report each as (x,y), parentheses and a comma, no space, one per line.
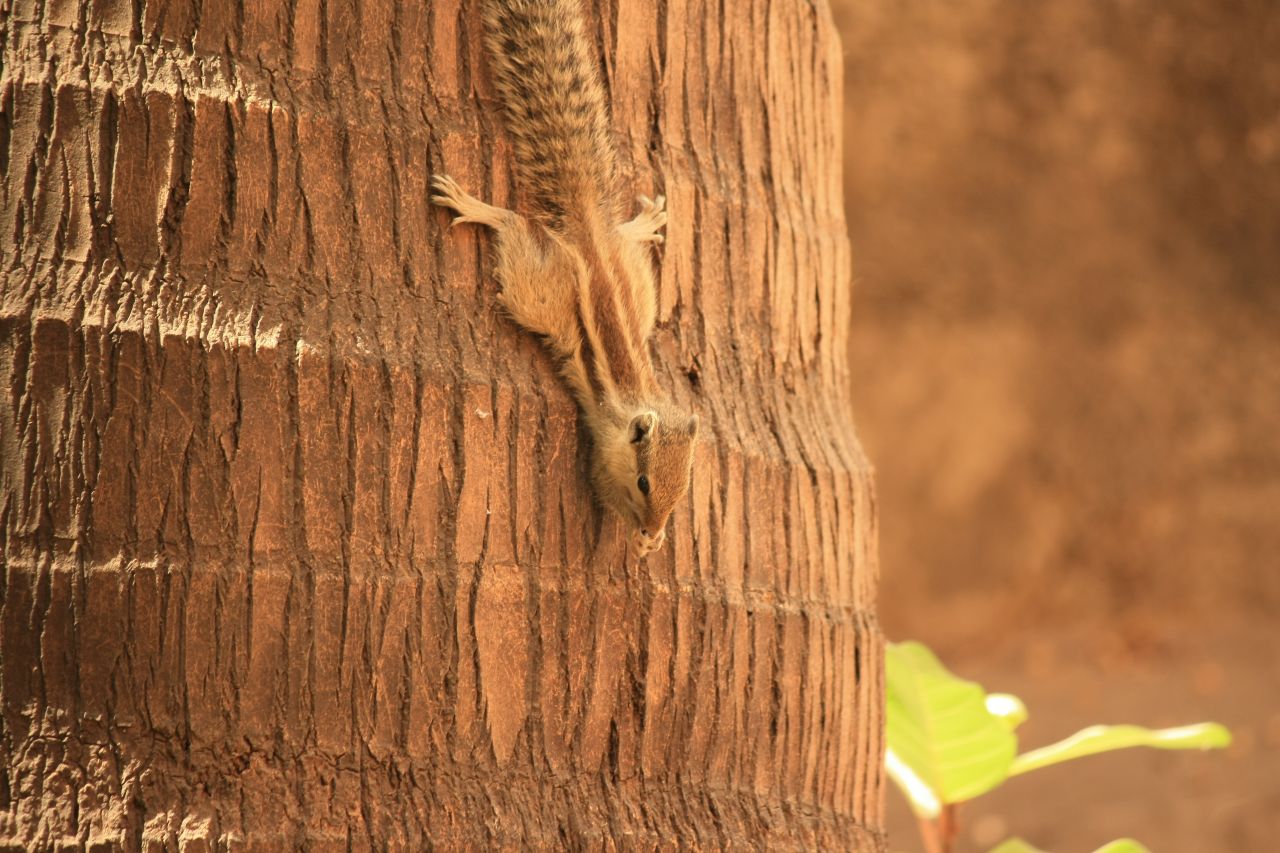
(642,545)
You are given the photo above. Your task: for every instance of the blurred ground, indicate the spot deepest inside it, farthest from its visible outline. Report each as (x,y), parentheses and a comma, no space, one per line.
(1066,228)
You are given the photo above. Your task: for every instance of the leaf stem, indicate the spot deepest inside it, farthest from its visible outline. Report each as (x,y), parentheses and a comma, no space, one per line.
(931,835)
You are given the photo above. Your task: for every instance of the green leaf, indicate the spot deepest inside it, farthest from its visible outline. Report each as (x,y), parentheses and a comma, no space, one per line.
(940,729)
(1097,739)
(1008,708)
(1123,845)
(1015,845)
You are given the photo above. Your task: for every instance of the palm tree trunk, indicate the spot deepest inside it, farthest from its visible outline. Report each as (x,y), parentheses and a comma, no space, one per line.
(297,546)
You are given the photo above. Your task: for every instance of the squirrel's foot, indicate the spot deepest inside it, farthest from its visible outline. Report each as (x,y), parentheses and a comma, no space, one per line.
(645,226)
(643,544)
(469,208)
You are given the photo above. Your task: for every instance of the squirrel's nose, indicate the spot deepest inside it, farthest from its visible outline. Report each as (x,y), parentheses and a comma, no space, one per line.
(644,532)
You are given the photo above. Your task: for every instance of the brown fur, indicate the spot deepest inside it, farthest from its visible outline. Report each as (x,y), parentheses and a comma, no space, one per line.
(574,272)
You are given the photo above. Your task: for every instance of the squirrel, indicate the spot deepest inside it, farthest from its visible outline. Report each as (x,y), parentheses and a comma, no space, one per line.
(574,272)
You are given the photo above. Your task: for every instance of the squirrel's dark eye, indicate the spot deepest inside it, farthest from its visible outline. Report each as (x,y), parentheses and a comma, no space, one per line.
(643,484)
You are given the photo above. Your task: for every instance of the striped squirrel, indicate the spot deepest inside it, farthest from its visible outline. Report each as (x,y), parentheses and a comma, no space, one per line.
(574,272)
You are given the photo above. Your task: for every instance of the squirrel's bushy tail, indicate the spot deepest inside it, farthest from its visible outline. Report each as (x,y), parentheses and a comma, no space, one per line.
(549,82)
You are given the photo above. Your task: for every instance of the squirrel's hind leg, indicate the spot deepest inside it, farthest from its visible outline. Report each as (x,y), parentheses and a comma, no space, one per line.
(651,218)
(469,208)
(536,278)
(537,285)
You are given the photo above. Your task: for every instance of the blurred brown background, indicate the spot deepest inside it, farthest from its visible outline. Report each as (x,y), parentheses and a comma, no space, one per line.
(1066,226)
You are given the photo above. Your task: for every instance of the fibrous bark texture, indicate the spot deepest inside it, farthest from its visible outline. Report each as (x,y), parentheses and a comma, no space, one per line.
(297,546)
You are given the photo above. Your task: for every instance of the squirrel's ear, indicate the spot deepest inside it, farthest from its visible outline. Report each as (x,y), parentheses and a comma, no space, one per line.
(692,426)
(642,427)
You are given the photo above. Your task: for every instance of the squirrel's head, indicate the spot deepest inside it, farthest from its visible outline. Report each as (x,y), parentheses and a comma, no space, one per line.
(644,471)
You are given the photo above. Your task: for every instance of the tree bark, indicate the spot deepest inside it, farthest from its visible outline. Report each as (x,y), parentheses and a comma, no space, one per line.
(298,547)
